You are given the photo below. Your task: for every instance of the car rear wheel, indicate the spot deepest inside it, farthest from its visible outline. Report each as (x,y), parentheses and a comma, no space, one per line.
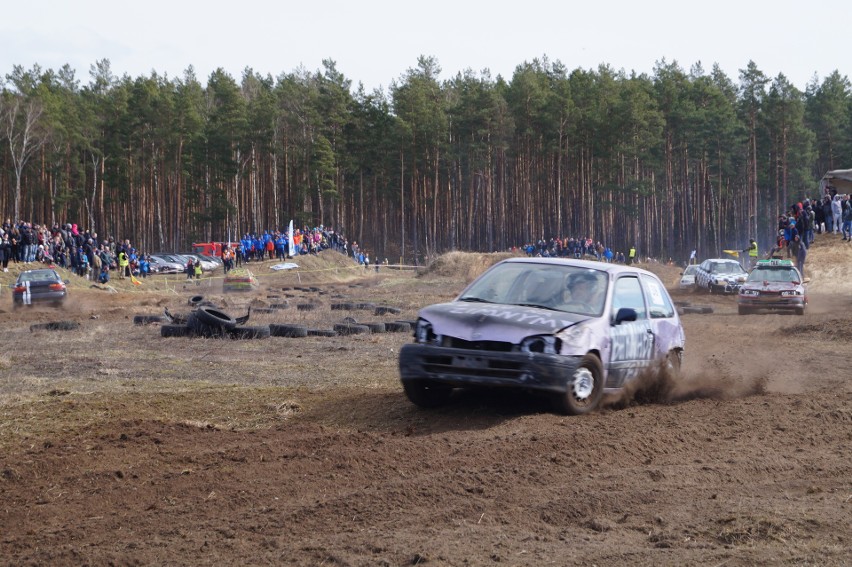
(584,388)
(674,361)
(743,310)
(426,393)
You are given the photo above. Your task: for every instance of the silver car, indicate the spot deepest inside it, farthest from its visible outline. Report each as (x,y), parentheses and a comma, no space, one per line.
(165,264)
(573,329)
(207,264)
(687,277)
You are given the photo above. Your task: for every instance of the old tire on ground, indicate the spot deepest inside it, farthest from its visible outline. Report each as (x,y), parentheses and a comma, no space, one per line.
(321,333)
(584,388)
(306,306)
(350,329)
(264,310)
(342,306)
(196,299)
(365,306)
(177,318)
(174,331)
(697,309)
(376,327)
(426,393)
(281,305)
(148,319)
(55,326)
(200,327)
(214,318)
(384,310)
(291,331)
(397,327)
(259,332)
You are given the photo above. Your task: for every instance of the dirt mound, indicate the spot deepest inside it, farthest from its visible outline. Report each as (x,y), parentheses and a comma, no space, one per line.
(463,265)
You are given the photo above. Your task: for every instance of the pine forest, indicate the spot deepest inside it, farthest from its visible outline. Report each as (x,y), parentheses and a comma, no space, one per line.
(671,162)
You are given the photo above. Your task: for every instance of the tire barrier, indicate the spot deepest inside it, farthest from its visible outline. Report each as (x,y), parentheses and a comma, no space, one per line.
(376,327)
(321,333)
(290,331)
(385,310)
(148,319)
(397,327)
(55,326)
(350,329)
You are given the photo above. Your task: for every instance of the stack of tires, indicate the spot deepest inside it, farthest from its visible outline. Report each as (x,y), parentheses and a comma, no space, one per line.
(207,321)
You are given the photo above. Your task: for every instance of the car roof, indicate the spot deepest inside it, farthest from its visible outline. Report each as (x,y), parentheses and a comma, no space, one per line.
(775,263)
(611,269)
(723,260)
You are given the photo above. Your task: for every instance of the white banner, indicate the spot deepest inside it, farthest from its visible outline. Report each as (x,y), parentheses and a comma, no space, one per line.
(290,238)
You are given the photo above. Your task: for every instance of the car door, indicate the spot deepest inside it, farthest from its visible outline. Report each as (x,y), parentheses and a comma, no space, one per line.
(662,317)
(632,342)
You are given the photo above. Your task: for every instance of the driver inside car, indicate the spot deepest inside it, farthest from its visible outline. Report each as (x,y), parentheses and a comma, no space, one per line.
(586,296)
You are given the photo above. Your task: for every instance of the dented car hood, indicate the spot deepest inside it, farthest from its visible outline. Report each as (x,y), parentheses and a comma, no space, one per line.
(495,322)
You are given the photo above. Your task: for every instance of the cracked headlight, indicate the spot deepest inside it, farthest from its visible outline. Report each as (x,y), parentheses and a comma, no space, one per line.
(546,344)
(424,334)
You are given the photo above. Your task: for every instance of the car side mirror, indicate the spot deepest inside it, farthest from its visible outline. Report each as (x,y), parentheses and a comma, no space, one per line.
(625,314)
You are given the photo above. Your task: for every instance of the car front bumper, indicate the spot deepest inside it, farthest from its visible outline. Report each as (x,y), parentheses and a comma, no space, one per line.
(462,368)
(757,302)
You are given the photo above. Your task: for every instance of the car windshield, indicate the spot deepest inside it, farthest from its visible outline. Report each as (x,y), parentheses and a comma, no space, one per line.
(549,286)
(727,268)
(690,270)
(761,274)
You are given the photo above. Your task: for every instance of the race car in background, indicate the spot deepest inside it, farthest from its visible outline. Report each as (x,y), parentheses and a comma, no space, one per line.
(773,284)
(720,275)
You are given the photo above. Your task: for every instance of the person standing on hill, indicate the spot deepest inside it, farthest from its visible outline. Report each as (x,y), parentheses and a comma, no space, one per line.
(801,256)
(631,255)
(846,216)
(836,213)
(752,254)
(5,251)
(123,263)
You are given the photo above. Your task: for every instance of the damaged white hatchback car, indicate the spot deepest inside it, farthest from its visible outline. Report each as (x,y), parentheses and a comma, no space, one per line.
(572,329)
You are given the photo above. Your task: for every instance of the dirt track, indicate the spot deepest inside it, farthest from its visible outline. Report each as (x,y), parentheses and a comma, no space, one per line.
(120,447)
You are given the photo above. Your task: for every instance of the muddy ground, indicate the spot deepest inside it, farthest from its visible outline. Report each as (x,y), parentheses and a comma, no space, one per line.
(121,447)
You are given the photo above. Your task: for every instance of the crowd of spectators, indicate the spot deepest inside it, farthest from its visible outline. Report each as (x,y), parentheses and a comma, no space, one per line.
(84,253)
(578,248)
(275,244)
(66,246)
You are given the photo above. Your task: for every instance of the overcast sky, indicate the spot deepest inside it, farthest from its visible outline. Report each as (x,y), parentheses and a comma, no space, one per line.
(377,41)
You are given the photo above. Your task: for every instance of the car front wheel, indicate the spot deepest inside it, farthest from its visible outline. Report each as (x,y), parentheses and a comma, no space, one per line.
(584,388)
(426,393)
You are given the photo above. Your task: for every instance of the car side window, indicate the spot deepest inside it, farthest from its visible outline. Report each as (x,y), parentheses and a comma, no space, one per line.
(659,303)
(628,293)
